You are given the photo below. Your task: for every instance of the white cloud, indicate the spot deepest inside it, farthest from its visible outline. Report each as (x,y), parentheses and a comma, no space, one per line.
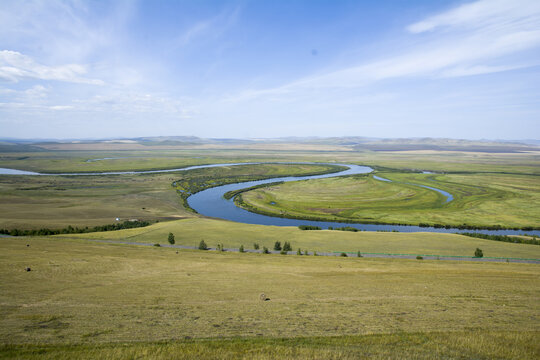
(213,27)
(37,91)
(477,38)
(60,30)
(481,14)
(15,66)
(61,107)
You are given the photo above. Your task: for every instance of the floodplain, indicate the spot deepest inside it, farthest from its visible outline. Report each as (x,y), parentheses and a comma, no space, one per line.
(85,297)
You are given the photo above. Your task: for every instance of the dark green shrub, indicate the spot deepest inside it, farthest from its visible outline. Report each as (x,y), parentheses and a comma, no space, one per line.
(287,246)
(256,246)
(202,245)
(157,245)
(309,227)
(299,252)
(241,248)
(419,257)
(306,252)
(347,228)
(343,254)
(265,250)
(171,238)
(283,252)
(277,246)
(478,253)
(359,254)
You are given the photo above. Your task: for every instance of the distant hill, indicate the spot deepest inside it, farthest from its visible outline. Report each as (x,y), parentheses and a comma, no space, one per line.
(356,143)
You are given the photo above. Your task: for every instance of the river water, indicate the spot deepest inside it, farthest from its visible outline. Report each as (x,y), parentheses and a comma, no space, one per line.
(210,202)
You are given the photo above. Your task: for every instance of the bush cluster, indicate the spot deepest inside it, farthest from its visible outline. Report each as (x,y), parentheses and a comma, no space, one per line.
(309,227)
(202,245)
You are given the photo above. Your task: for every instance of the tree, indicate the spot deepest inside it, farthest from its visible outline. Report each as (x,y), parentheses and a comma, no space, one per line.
(277,246)
(171,238)
(478,253)
(256,246)
(287,246)
(265,250)
(202,245)
(241,249)
(298,252)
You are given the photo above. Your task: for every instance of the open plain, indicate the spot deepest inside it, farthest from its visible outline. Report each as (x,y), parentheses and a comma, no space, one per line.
(87,296)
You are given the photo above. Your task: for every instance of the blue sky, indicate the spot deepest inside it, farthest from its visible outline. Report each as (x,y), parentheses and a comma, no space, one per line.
(102,69)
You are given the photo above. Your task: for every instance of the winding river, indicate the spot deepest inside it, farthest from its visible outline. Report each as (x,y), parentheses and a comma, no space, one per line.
(210,202)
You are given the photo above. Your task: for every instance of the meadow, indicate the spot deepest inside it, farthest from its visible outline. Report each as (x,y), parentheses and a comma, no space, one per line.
(59,201)
(481,199)
(86,298)
(121,301)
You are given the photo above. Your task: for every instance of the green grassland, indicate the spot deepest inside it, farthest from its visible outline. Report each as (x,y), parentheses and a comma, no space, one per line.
(74,158)
(192,230)
(89,300)
(58,201)
(482,199)
(61,201)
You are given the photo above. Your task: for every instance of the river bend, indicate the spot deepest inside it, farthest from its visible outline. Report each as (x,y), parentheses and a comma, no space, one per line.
(210,202)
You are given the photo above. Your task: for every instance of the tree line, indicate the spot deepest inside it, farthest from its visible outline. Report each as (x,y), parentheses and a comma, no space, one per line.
(504,238)
(75,230)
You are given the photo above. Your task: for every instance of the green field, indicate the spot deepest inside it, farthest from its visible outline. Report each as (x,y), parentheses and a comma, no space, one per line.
(91,299)
(117,301)
(481,200)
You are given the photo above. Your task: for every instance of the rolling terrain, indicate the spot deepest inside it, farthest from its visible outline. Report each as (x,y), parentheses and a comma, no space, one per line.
(86,298)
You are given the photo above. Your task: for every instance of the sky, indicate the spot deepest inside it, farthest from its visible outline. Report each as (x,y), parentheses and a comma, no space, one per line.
(265,69)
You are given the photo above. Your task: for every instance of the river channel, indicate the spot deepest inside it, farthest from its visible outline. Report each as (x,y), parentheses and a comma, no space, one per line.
(210,202)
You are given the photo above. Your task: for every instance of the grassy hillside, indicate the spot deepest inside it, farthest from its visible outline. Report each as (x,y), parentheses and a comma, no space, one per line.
(117,300)
(191,231)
